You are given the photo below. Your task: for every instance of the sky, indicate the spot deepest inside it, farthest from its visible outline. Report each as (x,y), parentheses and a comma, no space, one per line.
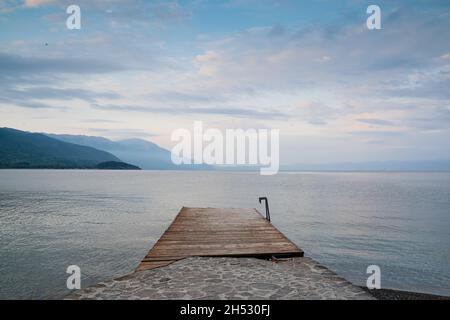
(337,91)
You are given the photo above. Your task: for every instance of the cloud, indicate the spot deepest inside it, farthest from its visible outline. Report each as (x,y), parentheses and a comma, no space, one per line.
(183,97)
(47,93)
(16,64)
(433,85)
(326,75)
(36,3)
(126,132)
(40,97)
(28,104)
(157,14)
(11,5)
(277,31)
(379,122)
(371,133)
(334,56)
(445,56)
(32,82)
(100,121)
(317,112)
(224,111)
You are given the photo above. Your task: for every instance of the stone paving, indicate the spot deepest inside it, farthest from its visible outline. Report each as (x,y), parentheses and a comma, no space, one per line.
(229,278)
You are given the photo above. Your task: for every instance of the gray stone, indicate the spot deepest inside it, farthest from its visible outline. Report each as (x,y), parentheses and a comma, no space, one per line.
(229,278)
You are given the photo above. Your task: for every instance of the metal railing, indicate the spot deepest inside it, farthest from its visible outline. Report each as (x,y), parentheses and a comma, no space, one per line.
(267,207)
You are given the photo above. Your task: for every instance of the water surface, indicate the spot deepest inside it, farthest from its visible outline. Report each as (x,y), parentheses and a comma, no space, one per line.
(106,221)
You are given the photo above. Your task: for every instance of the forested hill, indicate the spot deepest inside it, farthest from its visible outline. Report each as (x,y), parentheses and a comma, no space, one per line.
(20,149)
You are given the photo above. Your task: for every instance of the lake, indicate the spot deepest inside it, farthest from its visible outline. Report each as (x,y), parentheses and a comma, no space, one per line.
(106,221)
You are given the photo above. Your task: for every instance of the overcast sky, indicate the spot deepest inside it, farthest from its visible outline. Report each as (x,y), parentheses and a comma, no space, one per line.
(336,90)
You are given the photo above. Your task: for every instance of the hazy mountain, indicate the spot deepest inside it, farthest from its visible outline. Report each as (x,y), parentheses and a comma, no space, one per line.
(21,149)
(142,153)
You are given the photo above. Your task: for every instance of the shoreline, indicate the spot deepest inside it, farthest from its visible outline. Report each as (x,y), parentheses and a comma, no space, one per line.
(394,294)
(228,278)
(222,278)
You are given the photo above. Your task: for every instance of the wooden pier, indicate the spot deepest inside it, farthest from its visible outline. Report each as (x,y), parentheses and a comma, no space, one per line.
(212,232)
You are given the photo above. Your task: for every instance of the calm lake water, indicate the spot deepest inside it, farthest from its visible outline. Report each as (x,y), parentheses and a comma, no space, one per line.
(106,221)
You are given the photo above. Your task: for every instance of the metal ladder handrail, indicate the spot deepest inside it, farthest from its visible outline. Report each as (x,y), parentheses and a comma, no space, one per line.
(267,207)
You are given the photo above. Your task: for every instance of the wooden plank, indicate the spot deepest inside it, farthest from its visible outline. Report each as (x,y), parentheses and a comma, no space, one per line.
(218,232)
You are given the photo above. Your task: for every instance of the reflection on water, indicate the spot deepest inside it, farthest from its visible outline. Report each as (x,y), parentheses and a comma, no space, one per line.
(105,222)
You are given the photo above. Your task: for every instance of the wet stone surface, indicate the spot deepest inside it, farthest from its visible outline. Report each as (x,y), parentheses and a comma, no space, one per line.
(229,278)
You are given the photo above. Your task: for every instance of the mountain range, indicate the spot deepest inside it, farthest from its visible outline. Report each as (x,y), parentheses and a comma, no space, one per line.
(145,154)
(21,149)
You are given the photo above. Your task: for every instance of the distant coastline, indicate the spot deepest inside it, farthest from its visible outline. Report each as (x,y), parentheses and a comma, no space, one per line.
(107,165)
(218,170)
(27,150)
